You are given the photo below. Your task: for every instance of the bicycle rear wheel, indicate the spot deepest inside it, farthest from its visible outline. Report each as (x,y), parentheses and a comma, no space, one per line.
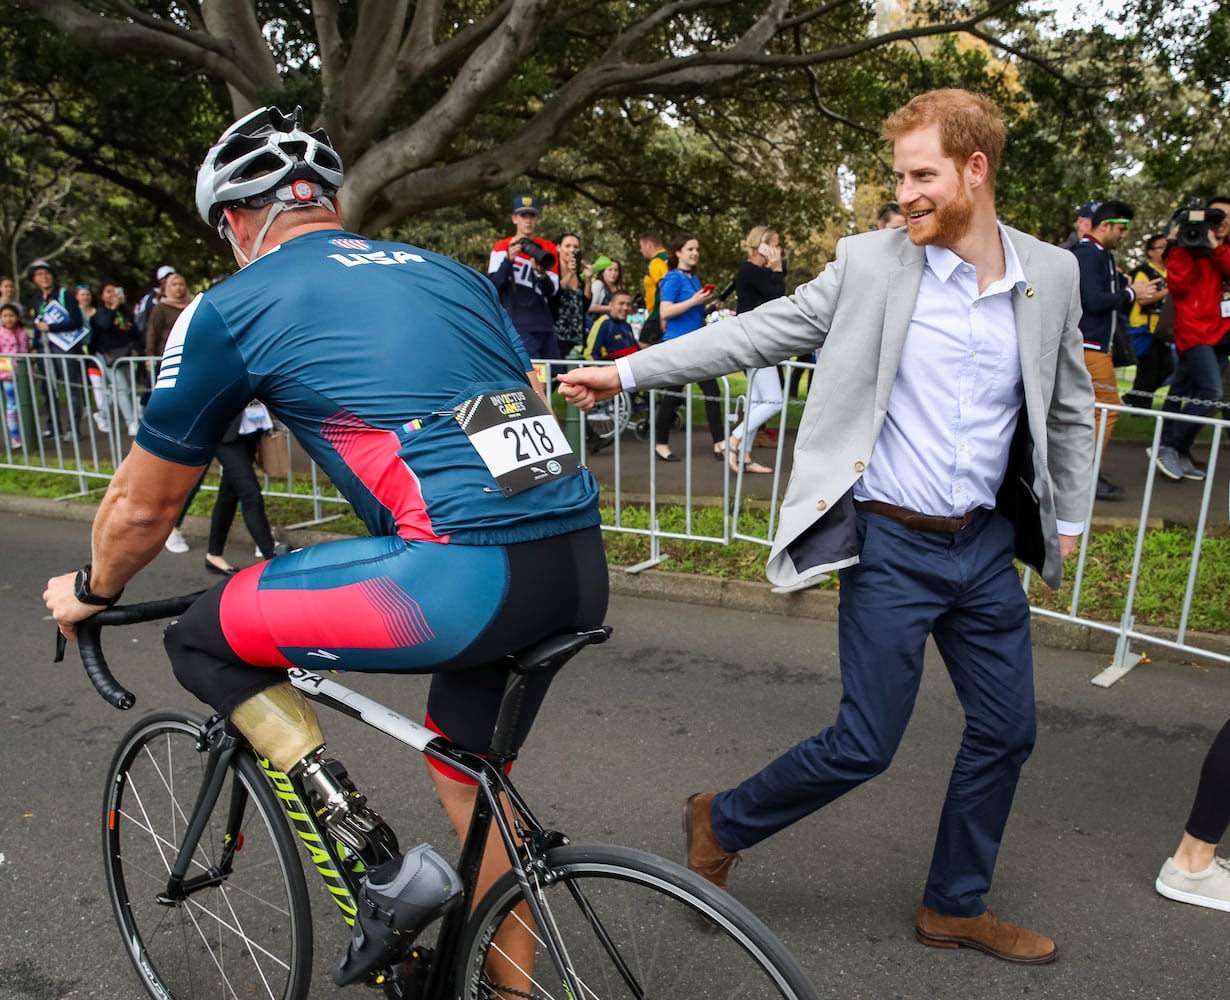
(248,933)
(630,925)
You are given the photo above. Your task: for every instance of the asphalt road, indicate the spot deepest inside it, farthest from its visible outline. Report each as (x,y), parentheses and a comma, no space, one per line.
(683,698)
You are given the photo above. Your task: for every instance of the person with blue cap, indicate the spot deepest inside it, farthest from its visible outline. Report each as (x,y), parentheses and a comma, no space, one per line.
(525,272)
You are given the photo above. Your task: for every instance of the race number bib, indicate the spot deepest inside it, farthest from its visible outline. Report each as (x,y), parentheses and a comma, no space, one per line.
(517,438)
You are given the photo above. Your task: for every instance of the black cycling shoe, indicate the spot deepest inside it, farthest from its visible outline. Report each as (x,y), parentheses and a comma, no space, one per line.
(396,901)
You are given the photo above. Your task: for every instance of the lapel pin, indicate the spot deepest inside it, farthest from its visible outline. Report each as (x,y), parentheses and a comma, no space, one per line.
(1029,291)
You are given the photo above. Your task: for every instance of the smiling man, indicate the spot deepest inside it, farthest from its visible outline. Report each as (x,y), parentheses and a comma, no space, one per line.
(948,428)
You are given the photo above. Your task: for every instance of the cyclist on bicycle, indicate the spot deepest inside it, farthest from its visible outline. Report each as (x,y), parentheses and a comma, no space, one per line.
(401,376)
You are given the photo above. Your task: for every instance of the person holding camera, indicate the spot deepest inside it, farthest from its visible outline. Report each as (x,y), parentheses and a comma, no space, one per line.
(1196,265)
(1152,327)
(571,300)
(525,272)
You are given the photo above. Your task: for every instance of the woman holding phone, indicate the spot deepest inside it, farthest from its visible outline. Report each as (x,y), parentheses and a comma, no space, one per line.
(761,278)
(682,301)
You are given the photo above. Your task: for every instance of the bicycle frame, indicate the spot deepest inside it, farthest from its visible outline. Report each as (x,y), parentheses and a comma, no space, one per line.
(495,786)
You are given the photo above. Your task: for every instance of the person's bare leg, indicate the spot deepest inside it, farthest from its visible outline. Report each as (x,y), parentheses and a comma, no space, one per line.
(1194,855)
(511,960)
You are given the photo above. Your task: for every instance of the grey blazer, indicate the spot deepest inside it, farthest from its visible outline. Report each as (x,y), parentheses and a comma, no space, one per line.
(859,311)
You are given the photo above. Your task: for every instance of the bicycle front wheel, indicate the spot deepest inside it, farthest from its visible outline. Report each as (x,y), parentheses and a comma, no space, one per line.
(629,925)
(245,930)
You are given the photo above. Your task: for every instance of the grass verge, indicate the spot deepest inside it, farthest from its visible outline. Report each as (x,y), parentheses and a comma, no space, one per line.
(1165,560)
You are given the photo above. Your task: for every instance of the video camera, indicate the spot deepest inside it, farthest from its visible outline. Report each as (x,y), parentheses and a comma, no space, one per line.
(543,258)
(1194,226)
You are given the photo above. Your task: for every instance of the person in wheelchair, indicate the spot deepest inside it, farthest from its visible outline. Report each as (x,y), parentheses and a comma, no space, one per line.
(478,545)
(611,335)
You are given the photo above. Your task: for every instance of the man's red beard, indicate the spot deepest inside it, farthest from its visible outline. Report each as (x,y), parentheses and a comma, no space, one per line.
(946,225)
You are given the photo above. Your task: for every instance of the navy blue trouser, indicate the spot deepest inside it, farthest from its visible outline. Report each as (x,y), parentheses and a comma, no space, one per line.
(964,590)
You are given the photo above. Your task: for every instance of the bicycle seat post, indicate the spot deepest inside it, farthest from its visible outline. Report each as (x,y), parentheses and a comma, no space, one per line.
(510,713)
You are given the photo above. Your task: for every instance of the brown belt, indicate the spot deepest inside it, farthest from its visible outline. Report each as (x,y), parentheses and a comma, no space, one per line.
(920,522)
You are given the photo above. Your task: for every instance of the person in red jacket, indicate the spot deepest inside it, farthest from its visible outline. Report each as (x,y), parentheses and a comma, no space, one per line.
(1195,276)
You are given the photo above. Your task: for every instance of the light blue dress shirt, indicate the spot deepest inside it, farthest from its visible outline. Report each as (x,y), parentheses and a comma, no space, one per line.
(943,448)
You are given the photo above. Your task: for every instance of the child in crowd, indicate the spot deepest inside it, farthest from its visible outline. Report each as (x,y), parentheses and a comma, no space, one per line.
(13,340)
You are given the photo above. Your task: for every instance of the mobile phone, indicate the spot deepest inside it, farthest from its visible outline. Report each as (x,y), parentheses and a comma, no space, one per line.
(708,289)
(119,292)
(764,249)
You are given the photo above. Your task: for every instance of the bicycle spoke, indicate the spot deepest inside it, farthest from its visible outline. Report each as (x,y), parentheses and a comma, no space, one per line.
(239,933)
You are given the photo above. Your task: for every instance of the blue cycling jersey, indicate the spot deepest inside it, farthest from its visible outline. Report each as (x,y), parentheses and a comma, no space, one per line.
(363,349)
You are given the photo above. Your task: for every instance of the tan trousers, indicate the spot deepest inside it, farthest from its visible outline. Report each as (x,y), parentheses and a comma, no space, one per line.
(1101,370)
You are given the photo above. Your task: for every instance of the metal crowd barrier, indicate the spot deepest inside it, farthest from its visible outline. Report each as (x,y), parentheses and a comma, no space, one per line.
(73,415)
(1125,631)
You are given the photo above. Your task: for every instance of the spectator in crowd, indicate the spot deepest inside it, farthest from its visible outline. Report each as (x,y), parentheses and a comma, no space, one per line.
(93,373)
(240,488)
(571,301)
(611,335)
(84,295)
(145,304)
(890,216)
(682,304)
(1084,223)
(1194,873)
(1152,327)
(175,298)
(114,338)
(653,251)
(1104,295)
(608,279)
(1195,276)
(61,330)
(1222,203)
(525,271)
(8,291)
(911,479)
(759,280)
(13,340)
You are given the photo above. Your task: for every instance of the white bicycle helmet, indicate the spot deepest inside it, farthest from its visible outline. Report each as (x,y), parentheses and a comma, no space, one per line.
(259,159)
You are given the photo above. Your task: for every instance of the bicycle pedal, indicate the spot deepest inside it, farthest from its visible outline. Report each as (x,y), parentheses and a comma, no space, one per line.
(408,979)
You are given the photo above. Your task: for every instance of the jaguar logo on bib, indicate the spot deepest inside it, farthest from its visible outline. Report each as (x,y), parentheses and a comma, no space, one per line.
(517,437)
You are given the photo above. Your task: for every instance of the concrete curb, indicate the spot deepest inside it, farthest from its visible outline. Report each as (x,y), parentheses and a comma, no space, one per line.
(689,588)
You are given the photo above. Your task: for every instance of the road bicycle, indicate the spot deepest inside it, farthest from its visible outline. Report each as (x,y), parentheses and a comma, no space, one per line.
(209,893)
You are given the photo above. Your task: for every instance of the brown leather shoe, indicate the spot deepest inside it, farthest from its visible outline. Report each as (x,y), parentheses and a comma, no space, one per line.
(705,856)
(986,933)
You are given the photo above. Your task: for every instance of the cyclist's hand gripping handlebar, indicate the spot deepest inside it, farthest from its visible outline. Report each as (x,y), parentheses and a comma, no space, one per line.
(89,640)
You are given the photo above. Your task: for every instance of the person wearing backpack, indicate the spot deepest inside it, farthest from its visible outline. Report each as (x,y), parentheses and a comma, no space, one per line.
(1152,328)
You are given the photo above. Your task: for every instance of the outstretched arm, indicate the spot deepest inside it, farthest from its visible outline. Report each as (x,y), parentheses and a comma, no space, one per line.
(583,387)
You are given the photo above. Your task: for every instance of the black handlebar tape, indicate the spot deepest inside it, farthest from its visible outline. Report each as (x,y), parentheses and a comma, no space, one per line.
(90,643)
(96,668)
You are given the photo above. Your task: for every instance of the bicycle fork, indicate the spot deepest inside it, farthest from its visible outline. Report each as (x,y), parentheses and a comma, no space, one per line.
(220,747)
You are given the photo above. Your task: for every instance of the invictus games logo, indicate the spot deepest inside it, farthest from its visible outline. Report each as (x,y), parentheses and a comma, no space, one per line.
(508,403)
(348,243)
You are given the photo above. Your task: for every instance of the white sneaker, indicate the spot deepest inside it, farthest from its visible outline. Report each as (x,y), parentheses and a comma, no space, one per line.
(176,542)
(1210,887)
(133,427)
(101,422)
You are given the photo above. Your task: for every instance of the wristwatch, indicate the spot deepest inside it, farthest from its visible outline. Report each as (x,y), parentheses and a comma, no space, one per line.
(81,590)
